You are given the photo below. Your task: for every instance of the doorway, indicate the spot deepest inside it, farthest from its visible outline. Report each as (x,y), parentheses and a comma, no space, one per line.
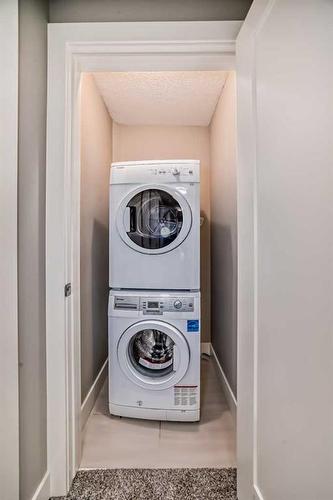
(158,116)
(277,145)
(213,52)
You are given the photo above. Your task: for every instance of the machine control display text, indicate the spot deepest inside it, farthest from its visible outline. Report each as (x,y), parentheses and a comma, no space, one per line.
(154,306)
(166,304)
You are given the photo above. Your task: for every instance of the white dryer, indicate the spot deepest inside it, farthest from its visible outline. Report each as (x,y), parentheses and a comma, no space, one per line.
(155,225)
(154,355)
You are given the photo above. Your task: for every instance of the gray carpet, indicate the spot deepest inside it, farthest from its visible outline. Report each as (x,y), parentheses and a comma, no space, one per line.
(153,484)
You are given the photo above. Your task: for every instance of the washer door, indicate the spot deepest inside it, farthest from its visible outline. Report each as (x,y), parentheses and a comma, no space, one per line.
(154,219)
(153,354)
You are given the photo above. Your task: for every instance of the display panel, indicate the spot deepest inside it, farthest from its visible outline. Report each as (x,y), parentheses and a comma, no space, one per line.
(153,305)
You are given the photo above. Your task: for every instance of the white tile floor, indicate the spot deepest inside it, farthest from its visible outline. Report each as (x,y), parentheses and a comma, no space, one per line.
(113,442)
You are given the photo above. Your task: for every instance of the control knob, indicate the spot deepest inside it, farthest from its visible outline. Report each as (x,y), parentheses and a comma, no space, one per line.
(177,304)
(175,171)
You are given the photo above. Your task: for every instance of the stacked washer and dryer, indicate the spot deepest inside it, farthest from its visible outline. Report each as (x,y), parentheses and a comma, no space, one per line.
(154,301)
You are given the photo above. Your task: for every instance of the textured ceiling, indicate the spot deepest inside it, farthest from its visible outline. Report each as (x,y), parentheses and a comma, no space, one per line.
(161,98)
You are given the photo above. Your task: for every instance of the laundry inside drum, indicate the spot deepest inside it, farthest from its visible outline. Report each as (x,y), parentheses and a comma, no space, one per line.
(151,352)
(156,219)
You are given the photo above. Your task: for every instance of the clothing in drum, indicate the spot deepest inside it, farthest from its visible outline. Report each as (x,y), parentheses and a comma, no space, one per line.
(156,219)
(151,353)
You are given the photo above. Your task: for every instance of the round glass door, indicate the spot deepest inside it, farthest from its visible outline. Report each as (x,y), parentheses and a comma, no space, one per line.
(154,220)
(153,354)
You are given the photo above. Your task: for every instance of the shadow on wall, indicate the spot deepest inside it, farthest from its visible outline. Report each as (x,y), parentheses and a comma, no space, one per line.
(205,277)
(99,291)
(224,300)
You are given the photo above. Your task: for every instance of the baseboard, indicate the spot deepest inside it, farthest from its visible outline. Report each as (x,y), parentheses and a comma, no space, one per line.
(43,490)
(91,397)
(257,493)
(231,400)
(205,348)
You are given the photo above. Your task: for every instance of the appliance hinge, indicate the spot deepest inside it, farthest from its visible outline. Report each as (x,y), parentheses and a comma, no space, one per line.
(68,289)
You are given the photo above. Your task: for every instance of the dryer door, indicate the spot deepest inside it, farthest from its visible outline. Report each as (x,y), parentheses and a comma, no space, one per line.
(154,219)
(153,354)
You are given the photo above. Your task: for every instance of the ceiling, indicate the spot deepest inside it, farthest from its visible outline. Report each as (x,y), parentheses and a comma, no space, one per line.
(161,98)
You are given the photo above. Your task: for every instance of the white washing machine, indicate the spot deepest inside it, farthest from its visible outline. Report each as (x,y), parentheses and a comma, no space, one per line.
(154,355)
(155,225)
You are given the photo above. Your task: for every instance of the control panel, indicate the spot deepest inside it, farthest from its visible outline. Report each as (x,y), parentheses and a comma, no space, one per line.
(187,171)
(169,304)
(172,170)
(154,305)
(130,303)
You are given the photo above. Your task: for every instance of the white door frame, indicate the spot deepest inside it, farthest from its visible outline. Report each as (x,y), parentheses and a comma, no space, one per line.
(73,49)
(247,204)
(9,395)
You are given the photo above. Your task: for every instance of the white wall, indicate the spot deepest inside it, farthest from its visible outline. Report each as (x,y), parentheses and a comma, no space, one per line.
(96,148)
(224,230)
(295,244)
(167,142)
(31,243)
(9,397)
(286,306)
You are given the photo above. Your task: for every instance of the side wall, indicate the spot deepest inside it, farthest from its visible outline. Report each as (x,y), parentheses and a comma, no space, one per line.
(9,390)
(31,242)
(224,231)
(96,147)
(293,398)
(62,11)
(167,142)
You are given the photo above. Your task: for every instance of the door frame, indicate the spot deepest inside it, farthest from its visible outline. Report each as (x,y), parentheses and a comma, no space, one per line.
(86,47)
(247,265)
(9,363)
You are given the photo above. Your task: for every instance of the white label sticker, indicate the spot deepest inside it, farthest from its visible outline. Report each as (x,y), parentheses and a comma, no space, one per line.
(185,395)
(154,366)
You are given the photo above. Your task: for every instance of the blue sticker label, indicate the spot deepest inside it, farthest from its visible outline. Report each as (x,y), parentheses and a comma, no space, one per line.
(192,325)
